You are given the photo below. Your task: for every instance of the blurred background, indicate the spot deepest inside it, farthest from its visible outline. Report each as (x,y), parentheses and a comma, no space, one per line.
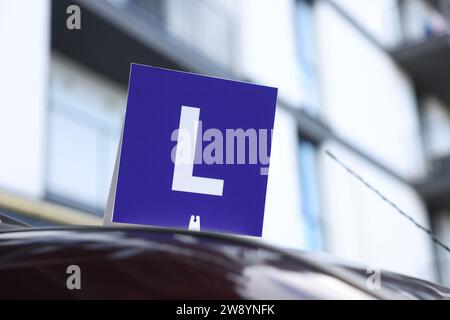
(368,80)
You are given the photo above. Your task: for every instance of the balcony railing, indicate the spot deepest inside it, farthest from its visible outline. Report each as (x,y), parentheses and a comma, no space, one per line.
(202,25)
(421,20)
(424,47)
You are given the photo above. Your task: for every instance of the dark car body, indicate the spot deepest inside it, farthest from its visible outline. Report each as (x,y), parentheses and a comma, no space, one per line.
(154,263)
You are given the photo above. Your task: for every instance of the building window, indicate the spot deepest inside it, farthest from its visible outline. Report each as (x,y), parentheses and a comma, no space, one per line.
(85,119)
(435,132)
(309,195)
(423,19)
(206,27)
(306,55)
(306,59)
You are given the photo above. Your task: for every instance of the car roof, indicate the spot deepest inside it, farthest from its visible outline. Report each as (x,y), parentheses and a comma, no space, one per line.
(165,263)
(406,286)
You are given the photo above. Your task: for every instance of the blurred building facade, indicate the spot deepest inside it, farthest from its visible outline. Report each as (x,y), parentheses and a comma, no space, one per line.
(366,80)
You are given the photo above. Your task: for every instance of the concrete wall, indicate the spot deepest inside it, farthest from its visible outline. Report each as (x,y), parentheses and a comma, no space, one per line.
(24,56)
(367,99)
(267,45)
(360,226)
(268,56)
(283,223)
(370,102)
(379,18)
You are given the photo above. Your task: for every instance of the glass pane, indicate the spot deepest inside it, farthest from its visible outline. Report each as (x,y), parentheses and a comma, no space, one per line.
(306,56)
(85,121)
(310,197)
(72,159)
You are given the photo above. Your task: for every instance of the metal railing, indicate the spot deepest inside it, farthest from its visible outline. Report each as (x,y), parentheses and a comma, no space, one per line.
(204,26)
(421,20)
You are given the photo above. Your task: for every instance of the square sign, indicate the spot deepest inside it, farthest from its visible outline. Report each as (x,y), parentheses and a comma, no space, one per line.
(194,153)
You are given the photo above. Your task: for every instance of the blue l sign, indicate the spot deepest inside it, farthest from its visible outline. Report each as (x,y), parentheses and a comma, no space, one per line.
(194,147)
